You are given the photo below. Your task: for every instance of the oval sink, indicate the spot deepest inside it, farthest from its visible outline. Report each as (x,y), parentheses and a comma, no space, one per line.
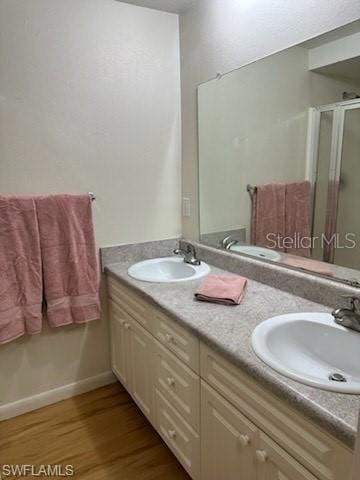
(256,251)
(168,269)
(311,348)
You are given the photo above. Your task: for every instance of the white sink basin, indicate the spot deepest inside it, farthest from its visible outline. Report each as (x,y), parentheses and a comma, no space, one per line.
(310,347)
(256,251)
(168,269)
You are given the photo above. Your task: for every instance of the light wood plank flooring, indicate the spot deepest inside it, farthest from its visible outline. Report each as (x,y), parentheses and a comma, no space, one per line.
(101,433)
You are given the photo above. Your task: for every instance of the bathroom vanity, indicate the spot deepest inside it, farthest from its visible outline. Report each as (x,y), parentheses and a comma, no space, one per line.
(190,368)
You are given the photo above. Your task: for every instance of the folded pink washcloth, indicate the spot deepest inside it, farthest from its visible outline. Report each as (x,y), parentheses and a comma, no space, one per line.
(308,264)
(223,289)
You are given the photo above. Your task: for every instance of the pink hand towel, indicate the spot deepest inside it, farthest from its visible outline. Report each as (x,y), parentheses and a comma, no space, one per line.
(223,289)
(268,214)
(20,269)
(70,269)
(297,217)
(308,264)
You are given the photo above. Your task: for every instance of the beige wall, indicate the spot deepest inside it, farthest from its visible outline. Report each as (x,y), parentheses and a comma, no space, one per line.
(218,36)
(253,125)
(252,130)
(89,100)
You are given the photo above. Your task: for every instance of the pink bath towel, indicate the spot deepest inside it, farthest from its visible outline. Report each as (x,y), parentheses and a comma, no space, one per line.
(223,289)
(20,269)
(297,217)
(70,269)
(280,217)
(268,215)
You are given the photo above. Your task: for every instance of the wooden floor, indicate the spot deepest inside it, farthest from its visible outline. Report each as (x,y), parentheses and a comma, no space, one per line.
(101,433)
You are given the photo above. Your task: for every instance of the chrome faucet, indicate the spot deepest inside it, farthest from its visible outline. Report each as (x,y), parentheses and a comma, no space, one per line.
(228,242)
(349,317)
(189,254)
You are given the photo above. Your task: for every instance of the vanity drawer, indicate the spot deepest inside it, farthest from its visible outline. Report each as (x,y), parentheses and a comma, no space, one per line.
(323,455)
(177,339)
(132,303)
(178,435)
(179,385)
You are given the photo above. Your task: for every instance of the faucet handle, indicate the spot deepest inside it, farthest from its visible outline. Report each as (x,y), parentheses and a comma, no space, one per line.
(354,301)
(229,241)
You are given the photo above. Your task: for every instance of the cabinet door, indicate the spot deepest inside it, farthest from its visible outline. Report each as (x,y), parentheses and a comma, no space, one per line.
(227,440)
(141,352)
(119,344)
(273,463)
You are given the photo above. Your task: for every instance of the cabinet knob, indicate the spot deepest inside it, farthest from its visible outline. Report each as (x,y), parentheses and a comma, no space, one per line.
(172,433)
(122,322)
(261,456)
(169,338)
(127,326)
(170,381)
(244,440)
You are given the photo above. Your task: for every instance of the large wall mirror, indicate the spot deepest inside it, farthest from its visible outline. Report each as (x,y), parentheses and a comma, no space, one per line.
(279,157)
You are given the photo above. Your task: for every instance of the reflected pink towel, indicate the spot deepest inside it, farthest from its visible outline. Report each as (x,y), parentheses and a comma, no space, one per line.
(20,269)
(297,217)
(223,289)
(281,210)
(308,264)
(268,214)
(70,270)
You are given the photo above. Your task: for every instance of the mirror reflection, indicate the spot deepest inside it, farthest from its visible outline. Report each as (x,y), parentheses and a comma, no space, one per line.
(279,157)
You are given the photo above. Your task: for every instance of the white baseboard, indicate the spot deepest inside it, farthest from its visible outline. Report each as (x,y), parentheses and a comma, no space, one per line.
(55,395)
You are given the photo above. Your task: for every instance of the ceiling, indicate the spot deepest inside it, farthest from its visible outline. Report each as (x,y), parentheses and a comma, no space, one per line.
(172,6)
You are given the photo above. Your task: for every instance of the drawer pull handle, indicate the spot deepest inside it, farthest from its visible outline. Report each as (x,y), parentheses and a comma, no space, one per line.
(127,326)
(172,433)
(169,338)
(170,381)
(261,456)
(244,440)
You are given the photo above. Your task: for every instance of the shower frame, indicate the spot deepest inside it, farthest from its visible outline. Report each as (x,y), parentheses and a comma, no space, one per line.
(339,110)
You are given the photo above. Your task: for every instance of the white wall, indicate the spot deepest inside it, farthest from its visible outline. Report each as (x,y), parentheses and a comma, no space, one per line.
(221,36)
(89,100)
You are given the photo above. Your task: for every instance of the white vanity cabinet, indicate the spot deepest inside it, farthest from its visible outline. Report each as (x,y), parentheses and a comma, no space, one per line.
(220,423)
(119,338)
(157,361)
(234,448)
(131,357)
(227,439)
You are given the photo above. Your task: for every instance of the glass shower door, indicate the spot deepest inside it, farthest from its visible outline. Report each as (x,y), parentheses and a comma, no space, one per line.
(325,126)
(347,253)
